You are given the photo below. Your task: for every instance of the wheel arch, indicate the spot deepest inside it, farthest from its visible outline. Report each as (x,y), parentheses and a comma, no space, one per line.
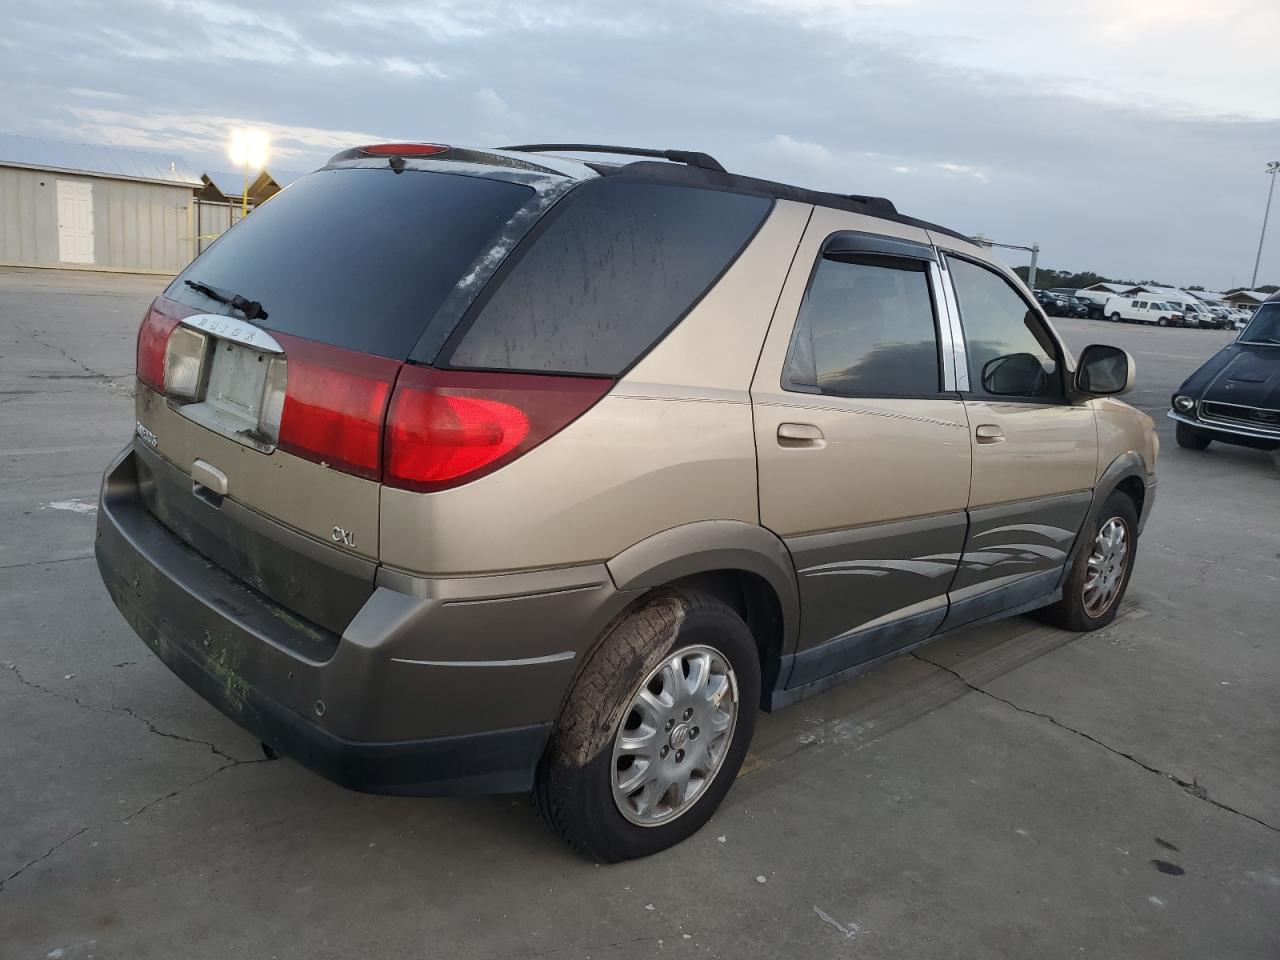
(742,564)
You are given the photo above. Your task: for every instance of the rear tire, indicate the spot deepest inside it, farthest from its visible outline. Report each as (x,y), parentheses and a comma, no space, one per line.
(618,742)
(1100,574)
(1190,438)
(1116,318)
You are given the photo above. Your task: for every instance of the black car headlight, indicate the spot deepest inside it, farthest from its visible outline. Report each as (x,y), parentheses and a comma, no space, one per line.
(1183,404)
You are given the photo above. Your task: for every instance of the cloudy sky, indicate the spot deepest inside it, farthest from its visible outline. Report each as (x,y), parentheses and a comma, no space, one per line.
(1126,136)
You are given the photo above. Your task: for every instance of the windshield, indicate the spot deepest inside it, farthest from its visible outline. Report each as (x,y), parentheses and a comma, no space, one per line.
(1265,326)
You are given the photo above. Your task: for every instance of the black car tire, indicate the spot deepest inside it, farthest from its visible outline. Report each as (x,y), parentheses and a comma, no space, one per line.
(574,791)
(1070,612)
(1162,322)
(1116,318)
(1190,438)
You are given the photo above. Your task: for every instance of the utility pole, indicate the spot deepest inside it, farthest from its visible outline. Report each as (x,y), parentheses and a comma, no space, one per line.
(1272,168)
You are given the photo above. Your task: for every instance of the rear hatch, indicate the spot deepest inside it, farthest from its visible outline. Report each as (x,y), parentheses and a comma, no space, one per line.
(267,368)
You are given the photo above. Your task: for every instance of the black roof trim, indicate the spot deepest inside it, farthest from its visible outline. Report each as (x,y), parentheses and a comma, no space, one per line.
(693,158)
(697,176)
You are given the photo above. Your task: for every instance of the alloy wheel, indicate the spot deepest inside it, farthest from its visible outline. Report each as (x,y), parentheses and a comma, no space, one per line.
(674,737)
(1108,562)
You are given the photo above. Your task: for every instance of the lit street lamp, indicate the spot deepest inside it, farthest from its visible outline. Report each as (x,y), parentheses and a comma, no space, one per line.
(1272,168)
(248,149)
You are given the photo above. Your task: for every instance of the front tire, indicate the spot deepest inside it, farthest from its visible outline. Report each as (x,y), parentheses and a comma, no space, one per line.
(1115,318)
(1100,574)
(1189,438)
(1162,322)
(654,730)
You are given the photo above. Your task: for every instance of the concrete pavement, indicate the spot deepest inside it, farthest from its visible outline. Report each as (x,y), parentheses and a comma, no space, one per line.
(1011,791)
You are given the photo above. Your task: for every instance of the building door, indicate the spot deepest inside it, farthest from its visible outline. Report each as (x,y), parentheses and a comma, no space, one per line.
(75,221)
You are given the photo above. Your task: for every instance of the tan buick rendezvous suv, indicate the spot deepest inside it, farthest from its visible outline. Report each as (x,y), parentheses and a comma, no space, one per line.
(467,471)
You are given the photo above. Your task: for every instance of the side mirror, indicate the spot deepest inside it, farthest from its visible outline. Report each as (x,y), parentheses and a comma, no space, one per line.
(1105,371)
(1014,375)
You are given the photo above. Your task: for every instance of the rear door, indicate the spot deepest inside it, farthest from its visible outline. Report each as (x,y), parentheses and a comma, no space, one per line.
(1035,454)
(862,442)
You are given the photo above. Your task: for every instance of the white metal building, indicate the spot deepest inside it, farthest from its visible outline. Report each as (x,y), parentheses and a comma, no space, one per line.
(94,207)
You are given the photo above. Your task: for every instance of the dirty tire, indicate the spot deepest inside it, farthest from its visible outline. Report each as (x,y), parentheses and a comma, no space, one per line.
(1191,438)
(1069,613)
(574,790)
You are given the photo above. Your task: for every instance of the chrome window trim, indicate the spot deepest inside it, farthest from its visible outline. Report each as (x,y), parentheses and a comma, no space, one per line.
(959,354)
(938,288)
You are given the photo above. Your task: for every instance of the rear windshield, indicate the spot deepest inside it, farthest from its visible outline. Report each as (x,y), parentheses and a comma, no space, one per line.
(607,273)
(359,258)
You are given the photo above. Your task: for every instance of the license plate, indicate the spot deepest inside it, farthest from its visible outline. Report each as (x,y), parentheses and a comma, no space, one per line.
(237,377)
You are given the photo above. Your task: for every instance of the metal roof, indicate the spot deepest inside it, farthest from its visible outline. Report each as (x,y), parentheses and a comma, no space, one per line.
(96,160)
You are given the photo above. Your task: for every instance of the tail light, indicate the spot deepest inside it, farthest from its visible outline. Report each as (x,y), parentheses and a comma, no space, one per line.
(153,340)
(334,403)
(447,427)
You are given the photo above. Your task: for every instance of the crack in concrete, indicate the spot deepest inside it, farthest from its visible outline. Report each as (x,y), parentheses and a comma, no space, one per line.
(44,856)
(127,817)
(1191,787)
(42,563)
(119,710)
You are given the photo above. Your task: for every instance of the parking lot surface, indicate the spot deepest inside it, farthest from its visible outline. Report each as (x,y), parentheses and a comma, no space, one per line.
(1013,791)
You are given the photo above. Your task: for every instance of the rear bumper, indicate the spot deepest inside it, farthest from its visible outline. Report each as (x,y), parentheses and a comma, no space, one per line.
(420,694)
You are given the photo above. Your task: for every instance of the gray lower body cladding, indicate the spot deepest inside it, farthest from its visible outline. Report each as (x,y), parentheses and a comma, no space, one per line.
(435,687)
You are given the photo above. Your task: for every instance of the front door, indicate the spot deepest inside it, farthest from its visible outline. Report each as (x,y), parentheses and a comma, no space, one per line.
(1035,454)
(75,221)
(862,441)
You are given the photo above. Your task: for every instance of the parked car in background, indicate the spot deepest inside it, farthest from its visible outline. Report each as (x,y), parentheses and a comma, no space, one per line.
(1235,395)
(1096,300)
(1194,313)
(1052,304)
(466,510)
(1221,316)
(1139,310)
(1079,306)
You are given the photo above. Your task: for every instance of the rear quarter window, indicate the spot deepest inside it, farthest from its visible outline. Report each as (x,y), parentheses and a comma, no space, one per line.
(608,272)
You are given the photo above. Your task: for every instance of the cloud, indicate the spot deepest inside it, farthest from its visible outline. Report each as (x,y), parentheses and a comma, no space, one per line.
(804,152)
(1023,122)
(411,69)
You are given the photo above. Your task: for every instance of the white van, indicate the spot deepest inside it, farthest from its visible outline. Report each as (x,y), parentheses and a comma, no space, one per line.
(1141,310)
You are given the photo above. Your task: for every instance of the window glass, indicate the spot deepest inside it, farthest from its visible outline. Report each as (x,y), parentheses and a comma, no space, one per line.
(1010,352)
(1265,325)
(618,264)
(865,329)
(359,258)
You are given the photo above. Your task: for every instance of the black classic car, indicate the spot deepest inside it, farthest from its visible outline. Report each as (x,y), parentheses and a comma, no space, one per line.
(1235,396)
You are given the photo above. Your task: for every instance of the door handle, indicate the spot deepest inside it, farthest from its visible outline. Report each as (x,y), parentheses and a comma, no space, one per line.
(799,435)
(988,433)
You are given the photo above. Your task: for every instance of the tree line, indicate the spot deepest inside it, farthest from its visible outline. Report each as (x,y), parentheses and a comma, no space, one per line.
(1048,279)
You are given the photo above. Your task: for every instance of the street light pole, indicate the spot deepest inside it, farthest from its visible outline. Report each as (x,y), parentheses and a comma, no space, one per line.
(1034,250)
(1272,168)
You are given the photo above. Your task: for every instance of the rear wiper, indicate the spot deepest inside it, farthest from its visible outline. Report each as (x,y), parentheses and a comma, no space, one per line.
(251,309)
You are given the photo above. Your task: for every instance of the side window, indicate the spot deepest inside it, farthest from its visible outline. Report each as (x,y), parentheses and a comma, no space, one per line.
(1135,303)
(1010,352)
(615,266)
(865,328)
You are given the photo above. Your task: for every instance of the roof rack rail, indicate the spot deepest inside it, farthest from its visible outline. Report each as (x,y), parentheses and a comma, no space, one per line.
(691,157)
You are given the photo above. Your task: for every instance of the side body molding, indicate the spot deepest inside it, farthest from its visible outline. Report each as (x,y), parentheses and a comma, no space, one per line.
(710,545)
